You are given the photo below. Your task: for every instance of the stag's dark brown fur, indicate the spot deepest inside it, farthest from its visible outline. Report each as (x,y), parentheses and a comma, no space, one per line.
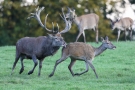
(39,47)
(36,48)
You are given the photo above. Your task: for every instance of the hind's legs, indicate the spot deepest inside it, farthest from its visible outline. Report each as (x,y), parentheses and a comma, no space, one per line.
(58,62)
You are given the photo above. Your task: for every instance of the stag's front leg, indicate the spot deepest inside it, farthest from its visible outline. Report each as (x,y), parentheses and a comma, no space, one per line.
(40,66)
(118,35)
(35,64)
(86,70)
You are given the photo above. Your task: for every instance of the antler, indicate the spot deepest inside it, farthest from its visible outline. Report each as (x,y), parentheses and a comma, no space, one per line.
(36,15)
(52,24)
(69,10)
(67,22)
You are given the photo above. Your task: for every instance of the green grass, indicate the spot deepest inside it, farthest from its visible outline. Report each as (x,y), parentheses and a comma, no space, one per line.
(115,68)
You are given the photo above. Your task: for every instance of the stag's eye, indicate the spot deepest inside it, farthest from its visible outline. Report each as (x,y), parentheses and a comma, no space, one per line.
(56,39)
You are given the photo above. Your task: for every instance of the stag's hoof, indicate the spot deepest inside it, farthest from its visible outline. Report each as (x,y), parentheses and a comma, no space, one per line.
(50,75)
(21,70)
(30,72)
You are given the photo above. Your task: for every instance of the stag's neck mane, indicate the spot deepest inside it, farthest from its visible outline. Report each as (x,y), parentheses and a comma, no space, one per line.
(99,50)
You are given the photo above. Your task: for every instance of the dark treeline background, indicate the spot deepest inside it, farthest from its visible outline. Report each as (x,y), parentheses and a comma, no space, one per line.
(14,24)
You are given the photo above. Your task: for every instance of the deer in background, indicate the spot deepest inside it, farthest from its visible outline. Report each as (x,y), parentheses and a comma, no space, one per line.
(84,52)
(88,21)
(124,24)
(39,47)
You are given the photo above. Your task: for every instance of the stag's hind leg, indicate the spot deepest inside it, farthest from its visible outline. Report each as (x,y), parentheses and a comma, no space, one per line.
(22,66)
(16,60)
(35,64)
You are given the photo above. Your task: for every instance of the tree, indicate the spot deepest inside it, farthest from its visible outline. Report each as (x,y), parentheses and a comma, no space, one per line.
(13,19)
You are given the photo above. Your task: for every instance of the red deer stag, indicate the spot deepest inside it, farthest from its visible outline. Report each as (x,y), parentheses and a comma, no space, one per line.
(88,21)
(84,52)
(38,47)
(124,24)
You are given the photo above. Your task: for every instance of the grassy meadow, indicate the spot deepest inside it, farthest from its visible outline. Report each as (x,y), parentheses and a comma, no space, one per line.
(115,68)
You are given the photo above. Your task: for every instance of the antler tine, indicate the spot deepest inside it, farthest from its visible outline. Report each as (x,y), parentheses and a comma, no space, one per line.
(36,9)
(33,14)
(53,26)
(45,24)
(67,22)
(68,9)
(58,27)
(38,12)
(36,15)
(61,16)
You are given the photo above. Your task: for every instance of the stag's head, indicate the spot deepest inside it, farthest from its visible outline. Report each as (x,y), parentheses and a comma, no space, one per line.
(55,34)
(56,40)
(107,44)
(71,13)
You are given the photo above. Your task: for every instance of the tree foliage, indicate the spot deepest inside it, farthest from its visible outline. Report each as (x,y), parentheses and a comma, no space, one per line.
(14,13)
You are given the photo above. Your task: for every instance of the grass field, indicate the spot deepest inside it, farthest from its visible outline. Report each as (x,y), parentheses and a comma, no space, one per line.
(115,68)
